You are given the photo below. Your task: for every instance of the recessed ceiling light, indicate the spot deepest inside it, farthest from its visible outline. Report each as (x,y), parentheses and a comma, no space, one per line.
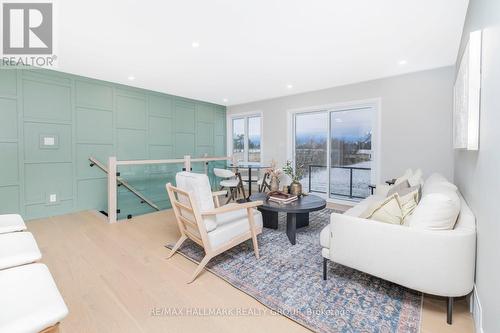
(289,86)
(195,44)
(131,78)
(225,100)
(402,62)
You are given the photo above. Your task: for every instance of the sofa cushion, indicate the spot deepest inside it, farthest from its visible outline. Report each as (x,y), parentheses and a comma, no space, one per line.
(436,211)
(437,183)
(388,211)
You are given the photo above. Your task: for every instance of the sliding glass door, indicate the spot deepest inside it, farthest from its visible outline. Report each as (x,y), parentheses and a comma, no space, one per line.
(334,150)
(350,153)
(311,149)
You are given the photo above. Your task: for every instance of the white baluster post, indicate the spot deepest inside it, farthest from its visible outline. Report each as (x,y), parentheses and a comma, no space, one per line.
(112,201)
(187,163)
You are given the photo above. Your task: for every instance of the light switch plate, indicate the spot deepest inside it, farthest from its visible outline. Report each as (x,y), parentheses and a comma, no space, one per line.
(52,198)
(49,141)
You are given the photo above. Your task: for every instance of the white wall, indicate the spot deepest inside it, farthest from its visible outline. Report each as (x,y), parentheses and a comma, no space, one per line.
(415,111)
(477,174)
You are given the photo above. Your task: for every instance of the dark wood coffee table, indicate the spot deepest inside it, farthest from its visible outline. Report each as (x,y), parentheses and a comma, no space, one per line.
(297,212)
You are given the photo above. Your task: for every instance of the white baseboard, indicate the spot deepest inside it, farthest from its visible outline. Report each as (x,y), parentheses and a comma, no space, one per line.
(477,311)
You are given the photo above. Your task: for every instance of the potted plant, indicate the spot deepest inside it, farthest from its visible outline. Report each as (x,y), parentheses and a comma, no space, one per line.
(295,175)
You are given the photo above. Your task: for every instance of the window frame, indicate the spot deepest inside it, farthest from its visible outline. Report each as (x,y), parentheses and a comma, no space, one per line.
(374,103)
(245,116)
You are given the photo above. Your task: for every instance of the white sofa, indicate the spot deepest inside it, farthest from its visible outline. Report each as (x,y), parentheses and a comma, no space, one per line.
(437,262)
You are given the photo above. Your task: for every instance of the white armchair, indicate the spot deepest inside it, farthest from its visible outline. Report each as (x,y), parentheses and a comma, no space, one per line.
(214,228)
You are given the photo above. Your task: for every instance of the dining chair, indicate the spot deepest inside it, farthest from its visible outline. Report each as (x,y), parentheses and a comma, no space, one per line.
(263,183)
(200,218)
(232,181)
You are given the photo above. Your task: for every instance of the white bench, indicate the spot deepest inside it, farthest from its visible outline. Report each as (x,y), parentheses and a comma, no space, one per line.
(30,301)
(18,248)
(11,223)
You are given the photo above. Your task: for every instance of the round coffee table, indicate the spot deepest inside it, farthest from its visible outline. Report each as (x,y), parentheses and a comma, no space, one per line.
(297,212)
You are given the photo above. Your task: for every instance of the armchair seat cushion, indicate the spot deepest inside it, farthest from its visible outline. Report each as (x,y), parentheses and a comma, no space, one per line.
(18,248)
(11,223)
(231,225)
(30,299)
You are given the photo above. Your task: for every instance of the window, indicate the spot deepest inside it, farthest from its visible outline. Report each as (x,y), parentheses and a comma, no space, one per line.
(246,138)
(333,147)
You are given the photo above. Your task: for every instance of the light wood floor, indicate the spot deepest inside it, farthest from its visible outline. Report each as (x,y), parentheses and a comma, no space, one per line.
(113,276)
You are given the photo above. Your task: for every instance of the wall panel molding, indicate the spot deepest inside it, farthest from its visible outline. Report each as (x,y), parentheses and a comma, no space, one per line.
(88,117)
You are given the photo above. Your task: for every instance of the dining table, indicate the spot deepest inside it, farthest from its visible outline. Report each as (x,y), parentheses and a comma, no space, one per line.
(249,166)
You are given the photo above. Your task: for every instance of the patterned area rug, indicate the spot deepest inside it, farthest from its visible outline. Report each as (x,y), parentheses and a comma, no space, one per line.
(288,280)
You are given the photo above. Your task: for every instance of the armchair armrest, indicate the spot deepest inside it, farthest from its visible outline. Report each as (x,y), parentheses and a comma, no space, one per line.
(232,207)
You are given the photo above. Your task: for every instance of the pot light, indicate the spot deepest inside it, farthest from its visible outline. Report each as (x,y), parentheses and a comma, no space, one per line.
(195,44)
(131,78)
(289,86)
(225,100)
(402,62)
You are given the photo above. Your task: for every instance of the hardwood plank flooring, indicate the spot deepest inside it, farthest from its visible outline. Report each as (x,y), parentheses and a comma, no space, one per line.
(114,277)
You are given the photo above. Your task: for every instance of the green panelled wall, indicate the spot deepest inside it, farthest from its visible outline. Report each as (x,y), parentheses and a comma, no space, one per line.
(93,118)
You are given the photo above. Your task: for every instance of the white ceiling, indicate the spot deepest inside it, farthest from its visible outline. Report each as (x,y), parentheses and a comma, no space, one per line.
(251,50)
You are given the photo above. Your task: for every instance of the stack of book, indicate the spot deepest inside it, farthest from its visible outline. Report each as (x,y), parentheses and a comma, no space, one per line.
(281,197)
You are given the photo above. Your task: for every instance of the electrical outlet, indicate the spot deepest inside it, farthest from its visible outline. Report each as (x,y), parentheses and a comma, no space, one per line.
(52,198)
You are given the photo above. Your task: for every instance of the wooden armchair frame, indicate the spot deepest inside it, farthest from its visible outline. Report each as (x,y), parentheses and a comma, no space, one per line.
(186,225)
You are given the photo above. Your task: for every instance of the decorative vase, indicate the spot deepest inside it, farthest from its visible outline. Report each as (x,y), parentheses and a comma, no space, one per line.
(295,188)
(275,183)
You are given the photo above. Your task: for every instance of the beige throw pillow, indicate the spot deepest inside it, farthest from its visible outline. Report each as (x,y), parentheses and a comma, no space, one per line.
(388,211)
(404,177)
(409,202)
(398,187)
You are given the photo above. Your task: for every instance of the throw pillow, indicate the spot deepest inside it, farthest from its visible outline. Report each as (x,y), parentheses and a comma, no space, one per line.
(398,187)
(416,178)
(404,177)
(409,201)
(436,211)
(388,211)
